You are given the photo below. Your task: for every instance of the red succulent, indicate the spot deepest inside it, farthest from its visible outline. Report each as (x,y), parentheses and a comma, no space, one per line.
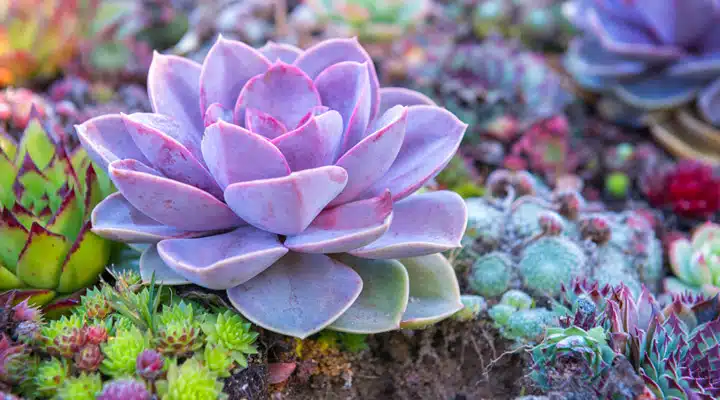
(690,188)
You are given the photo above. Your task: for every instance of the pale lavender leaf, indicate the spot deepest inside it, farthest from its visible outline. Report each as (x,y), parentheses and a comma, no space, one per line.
(329,52)
(228,66)
(216,112)
(225,260)
(263,124)
(432,136)
(170,202)
(286,205)
(394,96)
(174,89)
(116,219)
(298,295)
(286,53)
(709,103)
(313,144)
(166,154)
(345,87)
(106,140)
(346,227)
(630,41)
(153,267)
(422,224)
(678,23)
(234,154)
(383,299)
(370,159)
(284,91)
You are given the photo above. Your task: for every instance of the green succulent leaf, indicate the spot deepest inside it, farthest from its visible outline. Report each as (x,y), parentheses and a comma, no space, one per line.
(383,298)
(37,144)
(40,262)
(13,236)
(8,146)
(434,291)
(85,261)
(8,172)
(68,219)
(8,280)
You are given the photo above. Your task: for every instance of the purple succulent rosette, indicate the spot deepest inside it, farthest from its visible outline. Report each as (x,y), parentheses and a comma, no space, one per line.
(288,178)
(651,54)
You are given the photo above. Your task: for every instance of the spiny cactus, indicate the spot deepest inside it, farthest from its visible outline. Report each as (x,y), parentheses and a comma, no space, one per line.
(543,240)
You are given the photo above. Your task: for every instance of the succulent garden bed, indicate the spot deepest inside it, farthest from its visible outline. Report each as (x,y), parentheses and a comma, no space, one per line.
(434,199)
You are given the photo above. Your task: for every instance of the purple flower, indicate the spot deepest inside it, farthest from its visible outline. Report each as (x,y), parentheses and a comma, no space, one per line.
(651,54)
(287,177)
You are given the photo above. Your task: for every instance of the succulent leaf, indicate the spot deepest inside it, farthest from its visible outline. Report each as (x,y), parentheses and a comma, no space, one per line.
(348,192)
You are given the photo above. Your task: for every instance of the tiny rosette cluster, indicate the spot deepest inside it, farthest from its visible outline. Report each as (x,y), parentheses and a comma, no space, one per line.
(287,177)
(651,54)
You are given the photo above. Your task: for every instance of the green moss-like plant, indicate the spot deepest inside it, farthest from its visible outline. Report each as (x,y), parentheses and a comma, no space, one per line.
(190,381)
(82,387)
(231,331)
(121,352)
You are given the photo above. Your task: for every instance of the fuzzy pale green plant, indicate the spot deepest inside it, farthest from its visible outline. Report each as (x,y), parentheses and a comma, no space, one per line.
(218,360)
(522,235)
(231,331)
(190,381)
(516,318)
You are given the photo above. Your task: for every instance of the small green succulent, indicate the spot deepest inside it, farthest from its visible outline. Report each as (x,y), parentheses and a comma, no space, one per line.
(372,20)
(178,330)
(472,307)
(218,360)
(696,262)
(571,344)
(121,352)
(190,381)
(51,375)
(94,305)
(82,387)
(490,274)
(46,195)
(231,331)
(517,320)
(65,336)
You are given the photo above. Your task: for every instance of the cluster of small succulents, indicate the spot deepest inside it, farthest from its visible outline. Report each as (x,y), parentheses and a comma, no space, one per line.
(521,235)
(38,37)
(497,87)
(213,180)
(673,349)
(371,21)
(46,197)
(695,262)
(517,318)
(123,36)
(539,23)
(120,344)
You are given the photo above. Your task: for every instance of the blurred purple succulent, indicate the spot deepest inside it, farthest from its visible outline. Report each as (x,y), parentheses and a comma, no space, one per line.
(651,54)
(287,178)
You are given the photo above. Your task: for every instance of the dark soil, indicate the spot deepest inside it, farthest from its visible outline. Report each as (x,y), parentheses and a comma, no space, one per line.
(451,360)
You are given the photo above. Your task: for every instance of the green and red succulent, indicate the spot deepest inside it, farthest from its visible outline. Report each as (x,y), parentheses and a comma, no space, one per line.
(47,250)
(696,262)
